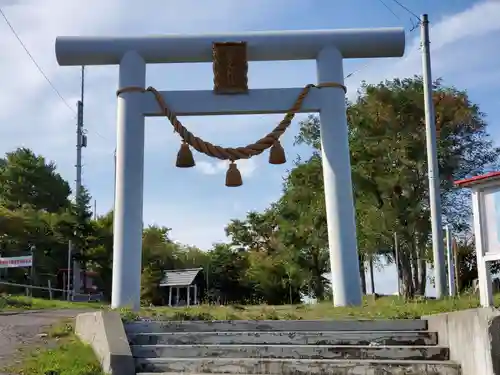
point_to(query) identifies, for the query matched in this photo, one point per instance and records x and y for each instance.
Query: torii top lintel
(262, 46)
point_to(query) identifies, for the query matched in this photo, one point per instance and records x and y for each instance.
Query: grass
(382, 308)
(62, 354)
(17, 303)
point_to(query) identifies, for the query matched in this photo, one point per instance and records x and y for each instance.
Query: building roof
(477, 180)
(183, 277)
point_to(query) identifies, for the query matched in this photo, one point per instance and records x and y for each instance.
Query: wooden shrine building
(184, 287)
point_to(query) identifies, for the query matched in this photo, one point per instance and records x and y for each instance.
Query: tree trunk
(372, 276)
(414, 258)
(422, 274)
(362, 274)
(407, 277)
(317, 286)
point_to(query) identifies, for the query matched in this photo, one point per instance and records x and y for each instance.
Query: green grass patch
(62, 354)
(382, 308)
(16, 303)
(388, 307)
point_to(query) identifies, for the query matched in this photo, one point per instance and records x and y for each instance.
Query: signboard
(15, 262)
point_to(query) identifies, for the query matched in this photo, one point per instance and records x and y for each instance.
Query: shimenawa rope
(229, 153)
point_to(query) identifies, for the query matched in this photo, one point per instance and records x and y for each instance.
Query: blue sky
(195, 203)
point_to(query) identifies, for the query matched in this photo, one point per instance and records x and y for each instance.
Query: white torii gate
(327, 47)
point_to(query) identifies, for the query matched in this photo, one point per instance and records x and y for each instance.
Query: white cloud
(246, 167)
(461, 44)
(32, 115)
(27, 100)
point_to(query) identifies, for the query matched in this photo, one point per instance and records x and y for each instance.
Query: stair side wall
(104, 332)
(473, 338)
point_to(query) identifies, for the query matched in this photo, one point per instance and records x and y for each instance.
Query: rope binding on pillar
(230, 77)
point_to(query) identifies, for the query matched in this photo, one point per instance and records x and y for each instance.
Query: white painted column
(483, 268)
(169, 295)
(339, 201)
(195, 294)
(188, 297)
(127, 241)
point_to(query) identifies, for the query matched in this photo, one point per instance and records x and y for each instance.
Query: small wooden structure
(184, 286)
(486, 215)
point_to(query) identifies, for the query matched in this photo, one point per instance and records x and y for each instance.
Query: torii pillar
(327, 47)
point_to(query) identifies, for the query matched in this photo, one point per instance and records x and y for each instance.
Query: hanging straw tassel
(185, 157)
(233, 176)
(277, 154)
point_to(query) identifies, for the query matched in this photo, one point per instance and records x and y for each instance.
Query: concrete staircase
(395, 347)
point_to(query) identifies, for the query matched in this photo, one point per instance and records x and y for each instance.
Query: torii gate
(327, 47)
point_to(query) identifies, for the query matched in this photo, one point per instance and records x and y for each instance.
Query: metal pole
(396, 260)
(432, 163)
(451, 267)
(32, 275)
(456, 261)
(68, 279)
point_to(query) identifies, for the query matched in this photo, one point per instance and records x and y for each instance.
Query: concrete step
(293, 366)
(415, 353)
(276, 325)
(285, 338)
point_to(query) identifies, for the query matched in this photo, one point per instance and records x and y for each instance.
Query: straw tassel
(277, 154)
(185, 157)
(233, 176)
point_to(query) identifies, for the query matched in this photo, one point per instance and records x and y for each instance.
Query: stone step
(285, 338)
(293, 366)
(415, 353)
(276, 325)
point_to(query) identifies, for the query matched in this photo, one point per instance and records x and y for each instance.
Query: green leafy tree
(28, 179)
(387, 139)
(227, 280)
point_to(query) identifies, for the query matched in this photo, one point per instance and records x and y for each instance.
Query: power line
(58, 93)
(407, 9)
(413, 28)
(389, 9)
(34, 61)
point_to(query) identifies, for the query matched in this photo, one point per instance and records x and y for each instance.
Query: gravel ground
(22, 329)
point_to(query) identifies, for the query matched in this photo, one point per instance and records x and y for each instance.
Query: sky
(194, 202)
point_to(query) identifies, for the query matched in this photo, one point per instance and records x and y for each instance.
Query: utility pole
(432, 165)
(81, 141)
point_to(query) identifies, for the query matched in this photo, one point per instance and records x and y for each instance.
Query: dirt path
(22, 329)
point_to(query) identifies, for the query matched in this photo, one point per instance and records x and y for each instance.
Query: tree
(227, 275)
(257, 232)
(26, 178)
(389, 167)
(302, 223)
